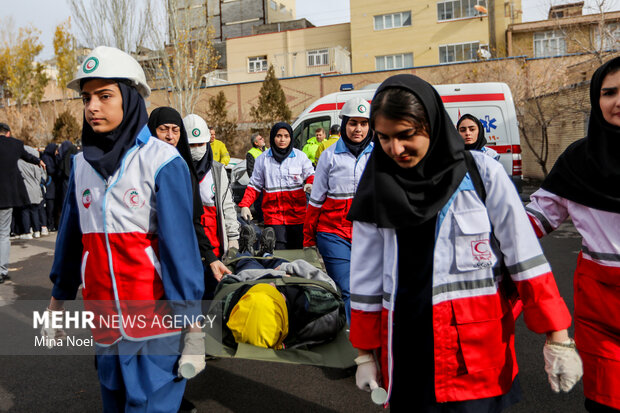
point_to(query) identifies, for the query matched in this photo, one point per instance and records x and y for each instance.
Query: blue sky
(47, 14)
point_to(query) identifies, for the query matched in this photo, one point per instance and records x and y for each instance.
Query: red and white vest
(121, 274)
(284, 199)
(335, 182)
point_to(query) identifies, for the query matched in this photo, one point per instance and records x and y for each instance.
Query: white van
(492, 103)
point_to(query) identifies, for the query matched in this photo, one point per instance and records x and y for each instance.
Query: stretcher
(337, 353)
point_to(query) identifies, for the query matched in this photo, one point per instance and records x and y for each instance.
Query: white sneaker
(25, 236)
(37, 234)
(44, 231)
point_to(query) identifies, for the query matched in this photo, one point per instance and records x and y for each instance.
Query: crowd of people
(416, 222)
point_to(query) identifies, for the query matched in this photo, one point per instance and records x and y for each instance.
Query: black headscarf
(395, 197)
(203, 166)
(354, 147)
(280, 154)
(63, 149)
(164, 115)
(105, 151)
(588, 172)
(481, 141)
(50, 149)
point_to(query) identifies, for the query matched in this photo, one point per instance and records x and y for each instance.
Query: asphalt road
(69, 383)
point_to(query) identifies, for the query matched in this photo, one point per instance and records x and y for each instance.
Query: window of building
(394, 61)
(611, 36)
(257, 64)
(458, 9)
(273, 5)
(461, 52)
(393, 21)
(318, 57)
(550, 43)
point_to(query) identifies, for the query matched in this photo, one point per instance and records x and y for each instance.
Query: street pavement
(69, 383)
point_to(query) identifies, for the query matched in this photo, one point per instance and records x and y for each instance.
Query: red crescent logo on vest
(481, 250)
(133, 199)
(86, 198)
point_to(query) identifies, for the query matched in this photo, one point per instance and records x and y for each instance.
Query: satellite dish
(480, 9)
(484, 54)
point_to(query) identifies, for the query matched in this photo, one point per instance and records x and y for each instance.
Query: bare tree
(187, 57)
(124, 24)
(535, 86)
(594, 36)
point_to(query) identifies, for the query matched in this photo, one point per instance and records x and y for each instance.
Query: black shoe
(187, 407)
(247, 238)
(267, 242)
(4, 277)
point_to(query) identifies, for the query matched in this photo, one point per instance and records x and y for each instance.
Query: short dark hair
(334, 130)
(396, 103)
(319, 130)
(4, 128)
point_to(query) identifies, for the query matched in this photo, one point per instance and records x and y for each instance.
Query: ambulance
(492, 103)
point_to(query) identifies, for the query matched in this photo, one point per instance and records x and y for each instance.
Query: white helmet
(356, 108)
(197, 129)
(111, 63)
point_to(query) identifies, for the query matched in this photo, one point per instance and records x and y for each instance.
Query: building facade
(405, 33)
(567, 30)
(300, 52)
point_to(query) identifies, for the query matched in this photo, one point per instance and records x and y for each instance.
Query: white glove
(233, 243)
(192, 359)
(246, 214)
(49, 334)
(563, 365)
(308, 188)
(367, 375)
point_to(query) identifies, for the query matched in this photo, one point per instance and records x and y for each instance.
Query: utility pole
(491, 17)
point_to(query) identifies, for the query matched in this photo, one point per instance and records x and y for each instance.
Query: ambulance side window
(307, 129)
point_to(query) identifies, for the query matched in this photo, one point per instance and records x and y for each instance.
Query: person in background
(166, 124)
(66, 152)
(219, 218)
(335, 182)
(32, 176)
(334, 135)
(258, 147)
(220, 153)
(12, 190)
(51, 162)
(472, 131)
(584, 186)
(313, 144)
(283, 175)
(432, 226)
(127, 234)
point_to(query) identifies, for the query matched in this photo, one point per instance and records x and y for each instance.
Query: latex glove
(192, 359)
(246, 214)
(308, 188)
(367, 375)
(562, 364)
(52, 334)
(233, 243)
(219, 270)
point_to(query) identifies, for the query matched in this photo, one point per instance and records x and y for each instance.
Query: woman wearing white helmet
(126, 233)
(218, 218)
(337, 174)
